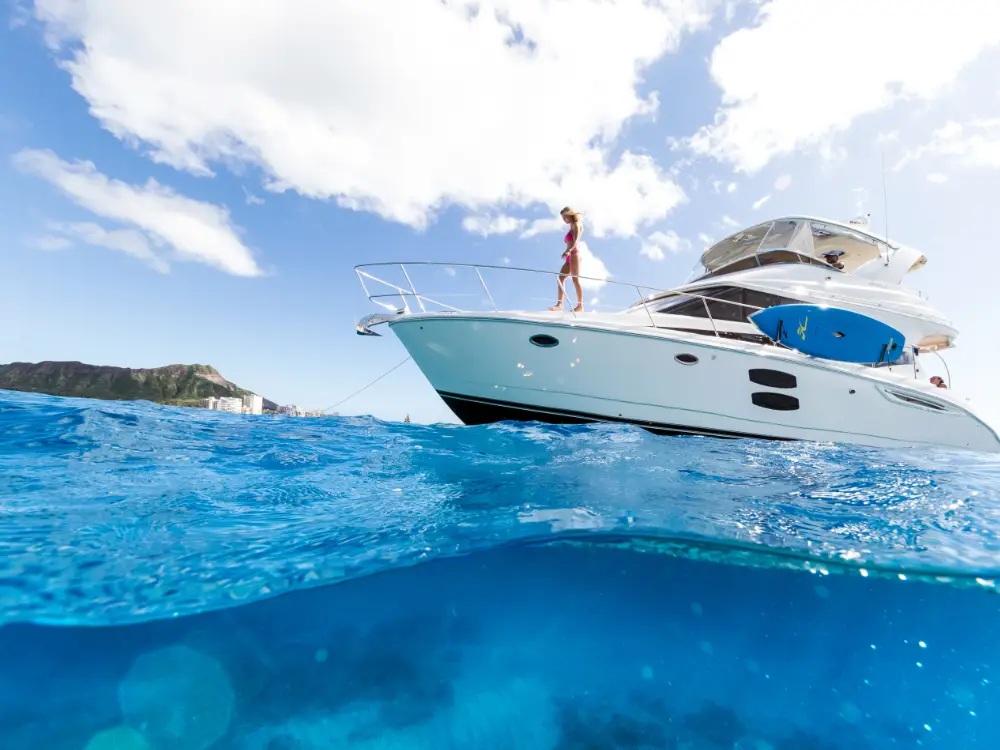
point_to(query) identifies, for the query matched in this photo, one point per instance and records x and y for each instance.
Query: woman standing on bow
(572, 257)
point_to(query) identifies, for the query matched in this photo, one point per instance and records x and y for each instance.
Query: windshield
(802, 240)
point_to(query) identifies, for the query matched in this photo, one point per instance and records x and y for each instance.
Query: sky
(192, 182)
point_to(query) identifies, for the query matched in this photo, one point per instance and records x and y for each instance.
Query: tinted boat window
(721, 305)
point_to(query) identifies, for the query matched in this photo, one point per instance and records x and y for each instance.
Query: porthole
(544, 340)
(686, 359)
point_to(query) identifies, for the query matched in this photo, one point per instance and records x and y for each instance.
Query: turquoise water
(178, 579)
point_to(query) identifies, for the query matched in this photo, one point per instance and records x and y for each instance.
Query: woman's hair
(570, 212)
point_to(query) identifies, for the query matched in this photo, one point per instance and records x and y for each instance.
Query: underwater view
(182, 579)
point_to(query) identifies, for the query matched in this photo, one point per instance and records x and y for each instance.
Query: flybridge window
(722, 304)
(788, 241)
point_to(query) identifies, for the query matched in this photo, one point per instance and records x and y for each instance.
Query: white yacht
(689, 360)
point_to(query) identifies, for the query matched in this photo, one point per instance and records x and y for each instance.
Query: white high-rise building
(289, 409)
(253, 404)
(231, 404)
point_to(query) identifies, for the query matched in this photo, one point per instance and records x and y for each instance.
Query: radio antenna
(885, 208)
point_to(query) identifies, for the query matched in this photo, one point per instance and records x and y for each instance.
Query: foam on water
(512, 586)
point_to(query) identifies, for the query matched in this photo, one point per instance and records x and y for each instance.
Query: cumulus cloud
(783, 182)
(593, 268)
(731, 187)
(974, 144)
(487, 225)
(759, 203)
(729, 221)
(196, 231)
(937, 178)
(768, 107)
(471, 111)
(705, 239)
(658, 244)
(543, 226)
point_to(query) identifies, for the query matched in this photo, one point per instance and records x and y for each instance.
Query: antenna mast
(885, 208)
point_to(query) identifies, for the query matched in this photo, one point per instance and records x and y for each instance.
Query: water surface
(181, 579)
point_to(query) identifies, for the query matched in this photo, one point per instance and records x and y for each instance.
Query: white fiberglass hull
(487, 369)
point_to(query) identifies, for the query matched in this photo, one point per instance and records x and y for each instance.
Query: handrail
(403, 293)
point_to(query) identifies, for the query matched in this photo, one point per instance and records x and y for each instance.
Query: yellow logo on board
(802, 328)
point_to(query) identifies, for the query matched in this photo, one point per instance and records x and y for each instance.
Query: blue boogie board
(831, 333)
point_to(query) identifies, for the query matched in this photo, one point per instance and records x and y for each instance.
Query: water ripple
(115, 512)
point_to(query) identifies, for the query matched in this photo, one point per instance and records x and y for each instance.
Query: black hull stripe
(473, 410)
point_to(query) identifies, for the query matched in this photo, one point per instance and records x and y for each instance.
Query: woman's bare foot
(578, 308)
(556, 308)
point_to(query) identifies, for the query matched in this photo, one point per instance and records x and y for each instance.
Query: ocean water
(177, 579)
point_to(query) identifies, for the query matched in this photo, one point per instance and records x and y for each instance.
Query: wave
(127, 511)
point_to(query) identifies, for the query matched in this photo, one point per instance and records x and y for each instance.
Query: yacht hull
(497, 368)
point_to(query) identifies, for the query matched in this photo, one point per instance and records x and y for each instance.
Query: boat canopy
(799, 240)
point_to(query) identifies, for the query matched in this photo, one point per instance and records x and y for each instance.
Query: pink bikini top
(569, 237)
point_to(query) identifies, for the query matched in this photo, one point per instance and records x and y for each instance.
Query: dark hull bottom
(476, 410)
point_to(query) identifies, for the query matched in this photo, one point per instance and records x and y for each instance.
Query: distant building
(289, 409)
(230, 404)
(225, 403)
(253, 404)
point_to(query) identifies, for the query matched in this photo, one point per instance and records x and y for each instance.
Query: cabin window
(721, 305)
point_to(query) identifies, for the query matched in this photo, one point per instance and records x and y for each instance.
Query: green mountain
(182, 385)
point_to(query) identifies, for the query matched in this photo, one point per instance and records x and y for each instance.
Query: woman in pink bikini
(572, 255)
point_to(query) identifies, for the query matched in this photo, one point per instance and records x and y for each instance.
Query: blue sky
(187, 183)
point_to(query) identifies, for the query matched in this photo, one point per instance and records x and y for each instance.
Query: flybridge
(804, 239)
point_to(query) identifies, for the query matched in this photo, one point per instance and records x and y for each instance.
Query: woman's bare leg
(562, 286)
(574, 264)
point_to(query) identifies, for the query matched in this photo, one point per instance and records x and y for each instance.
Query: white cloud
(653, 252)
(592, 267)
(729, 221)
(543, 226)
(731, 187)
(506, 261)
(706, 239)
(783, 182)
(129, 241)
(769, 105)
(658, 244)
(253, 200)
(195, 230)
(50, 243)
(974, 144)
(449, 271)
(460, 113)
(487, 225)
(759, 203)
(937, 178)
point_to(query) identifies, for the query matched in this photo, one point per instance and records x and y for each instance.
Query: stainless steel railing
(405, 294)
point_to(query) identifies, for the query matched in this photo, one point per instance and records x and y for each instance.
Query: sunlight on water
(184, 580)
